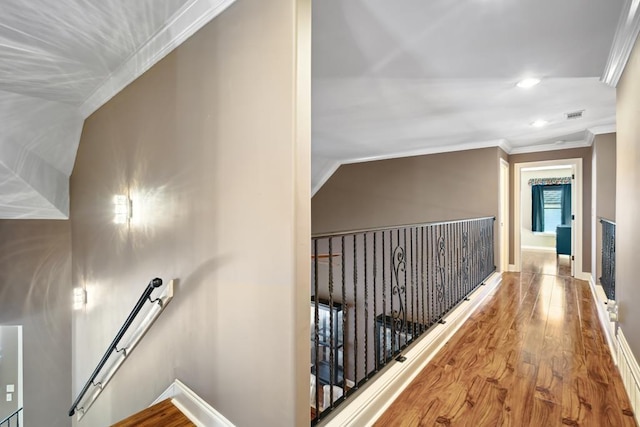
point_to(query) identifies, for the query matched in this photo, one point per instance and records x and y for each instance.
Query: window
(552, 196)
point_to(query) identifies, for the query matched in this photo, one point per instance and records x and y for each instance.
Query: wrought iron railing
(12, 420)
(608, 278)
(374, 292)
(122, 345)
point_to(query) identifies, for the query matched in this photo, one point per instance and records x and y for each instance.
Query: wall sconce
(79, 298)
(122, 209)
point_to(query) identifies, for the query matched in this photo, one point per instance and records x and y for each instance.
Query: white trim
(539, 248)
(502, 143)
(551, 147)
(503, 215)
(609, 327)
(182, 25)
(604, 129)
(371, 403)
(623, 42)
(325, 177)
(581, 275)
(630, 373)
(429, 150)
(576, 207)
(193, 406)
(512, 267)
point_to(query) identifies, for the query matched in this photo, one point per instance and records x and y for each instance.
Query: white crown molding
(325, 177)
(623, 42)
(430, 150)
(502, 143)
(184, 23)
(604, 129)
(551, 147)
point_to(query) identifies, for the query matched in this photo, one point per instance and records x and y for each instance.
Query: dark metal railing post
(155, 283)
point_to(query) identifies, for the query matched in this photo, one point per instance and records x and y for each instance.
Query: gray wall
(35, 287)
(213, 146)
(575, 153)
(446, 186)
(9, 368)
(604, 190)
(628, 200)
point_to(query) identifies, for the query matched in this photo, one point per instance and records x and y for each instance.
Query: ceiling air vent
(575, 115)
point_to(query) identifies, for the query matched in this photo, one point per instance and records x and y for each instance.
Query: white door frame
(503, 219)
(576, 207)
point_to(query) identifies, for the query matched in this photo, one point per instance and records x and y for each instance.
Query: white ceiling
(60, 61)
(389, 78)
(411, 77)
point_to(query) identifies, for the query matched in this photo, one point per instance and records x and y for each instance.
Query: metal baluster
(424, 259)
(317, 324)
(344, 322)
(366, 313)
(391, 322)
(331, 325)
(384, 306)
(355, 315)
(375, 301)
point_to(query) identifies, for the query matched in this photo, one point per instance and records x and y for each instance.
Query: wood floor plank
(533, 354)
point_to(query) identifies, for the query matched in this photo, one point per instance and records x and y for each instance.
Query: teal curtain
(537, 208)
(565, 202)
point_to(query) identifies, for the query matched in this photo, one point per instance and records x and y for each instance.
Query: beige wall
(585, 155)
(35, 287)
(212, 144)
(409, 190)
(457, 185)
(628, 199)
(604, 191)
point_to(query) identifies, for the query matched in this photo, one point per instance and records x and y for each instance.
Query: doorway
(504, 216)
(531, 237)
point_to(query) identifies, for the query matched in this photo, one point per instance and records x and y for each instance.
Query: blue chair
(563, 240)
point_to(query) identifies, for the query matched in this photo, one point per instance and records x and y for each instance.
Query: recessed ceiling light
(539, 123)
(528, 83)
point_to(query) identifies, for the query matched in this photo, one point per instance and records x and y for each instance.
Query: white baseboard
(609, 327)
(539, 248)
(192, 406)
(630, 373)
(587, 277)
(512, 267)
(370, 404)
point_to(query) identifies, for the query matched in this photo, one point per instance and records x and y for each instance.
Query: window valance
(550, 181)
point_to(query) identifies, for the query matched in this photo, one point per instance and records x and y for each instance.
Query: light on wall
(122, 209)
(79, 298)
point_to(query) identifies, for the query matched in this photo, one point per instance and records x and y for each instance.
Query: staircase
(164, 414)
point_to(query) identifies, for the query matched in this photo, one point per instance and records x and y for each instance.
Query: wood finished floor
(162, 414)
(532, 355)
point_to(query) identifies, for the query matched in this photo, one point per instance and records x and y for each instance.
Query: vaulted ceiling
(389, 78)
(60, 61)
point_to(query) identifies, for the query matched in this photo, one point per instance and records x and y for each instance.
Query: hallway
(532, 355)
